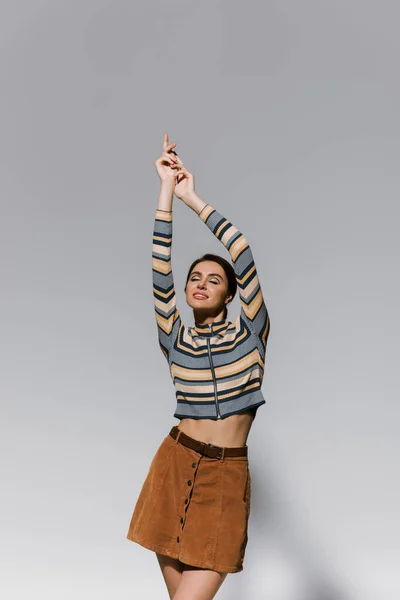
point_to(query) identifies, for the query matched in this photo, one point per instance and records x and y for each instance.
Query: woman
(194, 505)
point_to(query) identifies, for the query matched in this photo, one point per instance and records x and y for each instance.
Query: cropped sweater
(217, 368)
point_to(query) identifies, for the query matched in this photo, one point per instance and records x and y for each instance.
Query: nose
(201, 285)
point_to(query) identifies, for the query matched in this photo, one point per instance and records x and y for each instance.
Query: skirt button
(181, 519)
(189, 482)
(194, 465)
(177, 539)
(186, 500)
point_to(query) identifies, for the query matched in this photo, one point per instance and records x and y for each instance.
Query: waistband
(204, 448)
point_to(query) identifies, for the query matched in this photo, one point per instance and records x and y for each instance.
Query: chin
(199, 305)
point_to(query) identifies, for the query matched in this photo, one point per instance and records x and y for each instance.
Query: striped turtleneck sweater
(217, 369)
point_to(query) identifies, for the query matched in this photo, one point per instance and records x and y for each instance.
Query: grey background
(287, 114)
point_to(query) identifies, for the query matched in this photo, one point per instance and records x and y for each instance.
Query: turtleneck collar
(211, 329)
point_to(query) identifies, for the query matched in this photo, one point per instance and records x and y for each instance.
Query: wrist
(193, 200)
(166, 196)
(190, 196)
(167, 187)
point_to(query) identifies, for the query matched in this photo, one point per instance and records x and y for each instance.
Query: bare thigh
(171, 569)
(198, 584)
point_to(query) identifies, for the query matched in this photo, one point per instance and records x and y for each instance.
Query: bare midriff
(230, 432)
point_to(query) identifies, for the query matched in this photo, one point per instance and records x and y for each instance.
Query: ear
(228, 299)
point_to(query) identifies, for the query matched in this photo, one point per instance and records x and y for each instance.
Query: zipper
(213, 374)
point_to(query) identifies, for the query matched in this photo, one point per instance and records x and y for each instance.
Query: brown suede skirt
(195, 507)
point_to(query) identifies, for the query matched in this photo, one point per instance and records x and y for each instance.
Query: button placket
(189, 483)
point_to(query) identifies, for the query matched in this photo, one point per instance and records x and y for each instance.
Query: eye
(194, 277)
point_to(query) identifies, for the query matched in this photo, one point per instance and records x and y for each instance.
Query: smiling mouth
(200, 296)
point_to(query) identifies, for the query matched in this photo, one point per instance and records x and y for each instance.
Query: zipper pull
(210, 326)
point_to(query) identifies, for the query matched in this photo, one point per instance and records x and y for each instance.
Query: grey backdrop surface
(287, 114)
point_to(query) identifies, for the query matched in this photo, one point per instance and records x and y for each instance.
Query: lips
(200, 296)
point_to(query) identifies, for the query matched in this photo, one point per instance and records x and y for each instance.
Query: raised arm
(253, 308)
(163, 283)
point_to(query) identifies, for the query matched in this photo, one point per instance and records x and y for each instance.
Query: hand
(185, 182)
(166, 164)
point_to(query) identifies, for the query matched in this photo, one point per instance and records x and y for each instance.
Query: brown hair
(227, 267)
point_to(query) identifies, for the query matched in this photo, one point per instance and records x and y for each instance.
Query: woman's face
(207, 287)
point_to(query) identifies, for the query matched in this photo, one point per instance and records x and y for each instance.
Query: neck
(210, 321)
(201, 319)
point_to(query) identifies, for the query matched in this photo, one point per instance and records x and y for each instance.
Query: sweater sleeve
(253, 309)
(163, 283)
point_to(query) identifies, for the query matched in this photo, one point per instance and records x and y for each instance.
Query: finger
(178, 161)
(169, 163)
(166, 146)
(171, 159)
(165, 142)
(164, 160)
(168, 157)
(178, 164)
